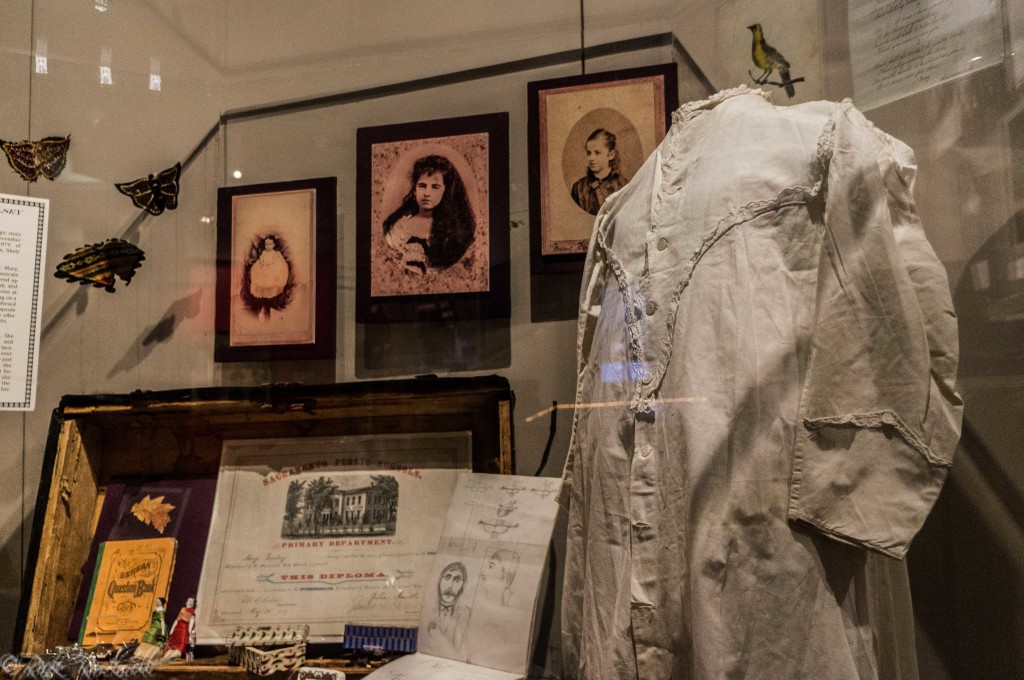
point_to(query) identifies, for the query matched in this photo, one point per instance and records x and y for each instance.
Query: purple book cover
(166, 508)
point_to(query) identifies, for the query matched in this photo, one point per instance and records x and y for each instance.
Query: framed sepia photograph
(276, 271)
(432, 220)
(588, 136)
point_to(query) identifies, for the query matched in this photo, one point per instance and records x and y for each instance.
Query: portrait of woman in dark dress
(434, 226)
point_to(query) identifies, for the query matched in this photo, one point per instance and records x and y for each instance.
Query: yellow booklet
(129, 577)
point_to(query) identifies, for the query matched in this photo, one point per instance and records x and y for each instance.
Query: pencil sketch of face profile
(451, 616)
(498, 573)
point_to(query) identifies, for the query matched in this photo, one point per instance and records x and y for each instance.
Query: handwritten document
(23, 224)
(899, 47)
(326, 531)
(478, 608)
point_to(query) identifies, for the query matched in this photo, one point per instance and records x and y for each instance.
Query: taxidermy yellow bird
(769, 59)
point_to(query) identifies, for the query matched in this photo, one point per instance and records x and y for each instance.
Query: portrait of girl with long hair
(425, 219)
(434, 226)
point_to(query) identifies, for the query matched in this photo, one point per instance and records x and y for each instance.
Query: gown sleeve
(879, 414)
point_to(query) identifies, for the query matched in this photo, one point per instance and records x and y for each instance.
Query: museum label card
(23, 222)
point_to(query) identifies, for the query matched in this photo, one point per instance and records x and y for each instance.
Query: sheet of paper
(899, 47)
(426, 667)
(482, 591)
(326, 531)
(23, 222)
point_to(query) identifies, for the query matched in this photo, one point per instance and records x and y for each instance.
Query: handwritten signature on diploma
(268, 559)
(398, 599)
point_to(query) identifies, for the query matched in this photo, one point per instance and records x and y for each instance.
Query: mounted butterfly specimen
(101, 264)
(154, 193)
(47, 157)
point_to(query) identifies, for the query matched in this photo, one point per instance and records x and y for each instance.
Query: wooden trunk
(95, 438)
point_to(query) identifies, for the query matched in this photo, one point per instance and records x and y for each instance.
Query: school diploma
(326, 531)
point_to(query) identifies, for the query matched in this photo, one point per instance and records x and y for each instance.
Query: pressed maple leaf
(154, 512)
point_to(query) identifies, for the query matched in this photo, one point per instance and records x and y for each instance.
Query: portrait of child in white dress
(267, 276)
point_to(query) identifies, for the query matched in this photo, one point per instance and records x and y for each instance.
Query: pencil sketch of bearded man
(450, 617)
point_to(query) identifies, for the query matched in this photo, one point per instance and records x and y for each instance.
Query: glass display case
(247, 281)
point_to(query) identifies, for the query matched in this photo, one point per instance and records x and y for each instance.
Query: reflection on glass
(106, 74)
(40, 56)
(154, 74)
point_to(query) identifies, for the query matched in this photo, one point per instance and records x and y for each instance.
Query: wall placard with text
(23, 222)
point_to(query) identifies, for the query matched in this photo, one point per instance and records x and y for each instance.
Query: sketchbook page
(425, 667)
(480, 598)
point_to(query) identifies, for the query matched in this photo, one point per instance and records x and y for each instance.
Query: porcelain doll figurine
(182, 639)
(153, 639)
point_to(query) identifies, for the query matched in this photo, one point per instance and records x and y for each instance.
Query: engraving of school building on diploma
(323, 507)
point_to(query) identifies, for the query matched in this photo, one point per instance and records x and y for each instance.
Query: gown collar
(691, 109)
